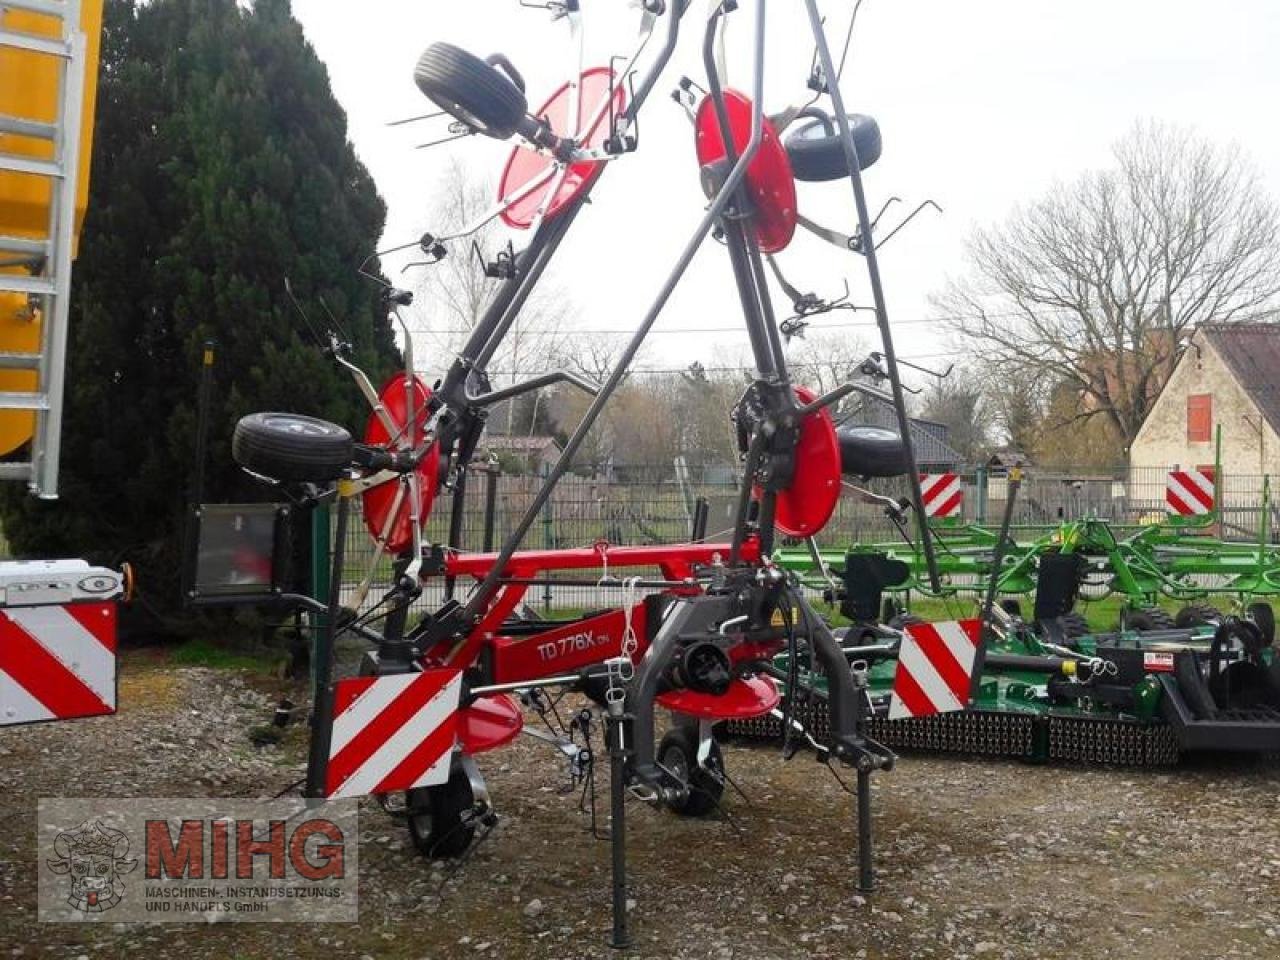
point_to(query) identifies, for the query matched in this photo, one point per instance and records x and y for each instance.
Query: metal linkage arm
(536, 383)
(628, 117)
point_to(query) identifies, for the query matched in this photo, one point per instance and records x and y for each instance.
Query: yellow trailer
(48, 86)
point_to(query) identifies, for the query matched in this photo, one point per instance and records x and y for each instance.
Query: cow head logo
(94, 857)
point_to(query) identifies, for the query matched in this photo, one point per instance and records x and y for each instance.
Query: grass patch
(202, 652)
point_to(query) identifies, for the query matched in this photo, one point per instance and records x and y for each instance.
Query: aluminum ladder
(47, 281)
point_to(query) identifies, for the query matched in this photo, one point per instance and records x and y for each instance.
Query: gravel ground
(976, 858)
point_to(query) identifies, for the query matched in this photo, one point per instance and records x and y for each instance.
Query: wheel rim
(816, 130)
(300, 427)
(466, 116)
(678, 765)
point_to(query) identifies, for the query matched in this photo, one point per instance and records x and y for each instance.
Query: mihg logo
(94, 857)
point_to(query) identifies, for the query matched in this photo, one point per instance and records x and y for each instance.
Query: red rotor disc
(745, 698)
(769, 180)
(524, 165)
(489, 723)
(805, 507)
(378, 501)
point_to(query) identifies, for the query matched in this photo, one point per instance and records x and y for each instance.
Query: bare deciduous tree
(960, 403)
(1017, 405)
(1098, 284)
(824, 360)
(455, 292)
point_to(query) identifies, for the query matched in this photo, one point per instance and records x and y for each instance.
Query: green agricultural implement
(1175, 558)
(1050, 688)
(1134, 698)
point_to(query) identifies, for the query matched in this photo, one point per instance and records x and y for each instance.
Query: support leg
(866, 870)
(617, 722)
(322, 665)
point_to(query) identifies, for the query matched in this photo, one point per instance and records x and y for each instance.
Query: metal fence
(583, 511)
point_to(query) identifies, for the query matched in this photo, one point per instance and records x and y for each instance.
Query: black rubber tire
(435, 817)
(867, 451)
(1197, 615)
(289, 446)
(470, 90)
(1261, 613)
(817, 156)
(1146, 618)
(678, 752)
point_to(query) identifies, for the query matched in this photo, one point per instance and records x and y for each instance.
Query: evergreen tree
(221, 166)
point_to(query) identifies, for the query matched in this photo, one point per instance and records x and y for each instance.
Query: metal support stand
(322, 662)
(866, 861)
(616, 723)
(866, 867)
(195, 497)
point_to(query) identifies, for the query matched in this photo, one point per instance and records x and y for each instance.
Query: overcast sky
(981, 105)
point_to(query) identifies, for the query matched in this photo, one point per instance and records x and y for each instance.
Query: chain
(622, 667)
(1102, 668)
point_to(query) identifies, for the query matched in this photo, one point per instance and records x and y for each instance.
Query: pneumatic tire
(439, 817)
(1197, 615)
(817, 154)
(1074, 625)
(1261, 613)
(678, 753)
(289, 446)
(470, 90)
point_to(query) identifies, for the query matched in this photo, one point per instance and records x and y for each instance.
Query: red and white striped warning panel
(942, 494)
(935, 668)
(1189, 493)
(392, 733)
(57, 662)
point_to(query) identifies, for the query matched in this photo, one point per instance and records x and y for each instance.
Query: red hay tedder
(696, 634)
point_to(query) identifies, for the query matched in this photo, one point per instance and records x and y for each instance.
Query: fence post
(548, 538)
(980, 483)
(321, 546)
(491, 475)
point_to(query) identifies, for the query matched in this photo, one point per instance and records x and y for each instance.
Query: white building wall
(1249, 446)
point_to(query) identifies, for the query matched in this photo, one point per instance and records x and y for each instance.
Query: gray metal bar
(19, 361)
(24, 245)
(535, 383)
(22, 127)
(17, 400)
(50, 8)
(15, 471)
(733, 225)
(48, 438)
(34, 44)
(21, 283)
(645, 87)
(877, 290)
